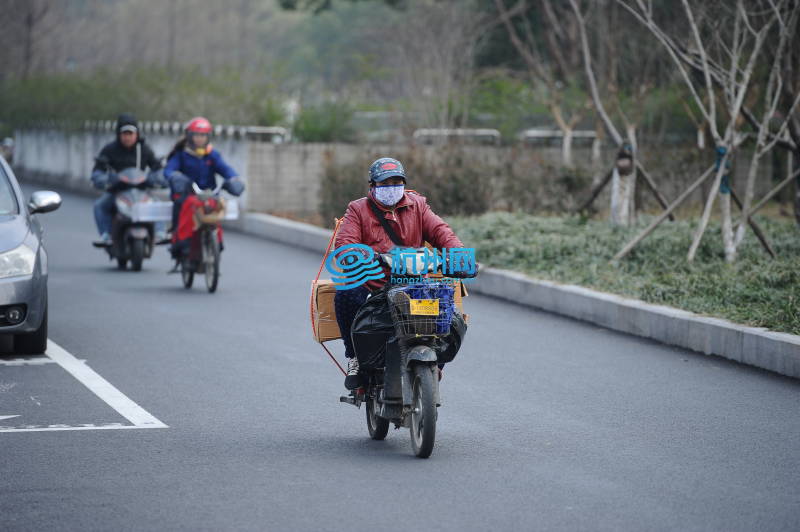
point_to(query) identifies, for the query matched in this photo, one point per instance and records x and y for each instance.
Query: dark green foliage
(328, 122)
(452, 181)
(341, 185)
(464, 180)
(756, 290)
(150, 93)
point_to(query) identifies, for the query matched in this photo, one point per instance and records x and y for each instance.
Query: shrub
(756, 290)
(329, 122)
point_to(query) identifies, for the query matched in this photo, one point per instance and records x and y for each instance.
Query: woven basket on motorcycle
(424, 309)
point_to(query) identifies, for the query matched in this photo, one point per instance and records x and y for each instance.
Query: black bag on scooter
(447, 347)
(373, 328)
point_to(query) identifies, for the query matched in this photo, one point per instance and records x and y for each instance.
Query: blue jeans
(104, 212)
(346, 303)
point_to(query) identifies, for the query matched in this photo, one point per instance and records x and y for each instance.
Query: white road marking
(7, 417)
(53, 428)
(33, 361)
(139, 417)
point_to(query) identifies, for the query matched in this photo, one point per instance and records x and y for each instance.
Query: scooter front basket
(424, 309)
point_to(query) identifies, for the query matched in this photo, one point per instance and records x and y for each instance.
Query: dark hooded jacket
(114, 156)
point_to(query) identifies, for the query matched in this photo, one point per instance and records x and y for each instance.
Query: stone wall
(285, 178)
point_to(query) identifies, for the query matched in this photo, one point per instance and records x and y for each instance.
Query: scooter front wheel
(211, 259)
(377, 426)
(187, 274)
(423, 411)
(137, 254)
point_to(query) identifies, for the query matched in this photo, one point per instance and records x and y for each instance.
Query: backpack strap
(386, 227)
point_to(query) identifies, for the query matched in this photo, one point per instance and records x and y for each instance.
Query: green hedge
(151, 93)
(460, 180)
(756, 290)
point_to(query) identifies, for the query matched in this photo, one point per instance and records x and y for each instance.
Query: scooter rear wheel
(378, 427)
(423, 413)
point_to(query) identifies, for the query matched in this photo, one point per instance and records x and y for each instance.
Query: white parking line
(29, 361)
(139, 417)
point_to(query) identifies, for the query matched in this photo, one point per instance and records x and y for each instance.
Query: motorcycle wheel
(137, 254)
(423, 413)
(187, 274)
(122, 264)
(377, 426)
(211, 259)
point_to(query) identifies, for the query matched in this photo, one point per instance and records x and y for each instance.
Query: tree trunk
(752, 173)
(566, 147)
(597, 154)
(623, 185)
(707, 209)
(727, 226)
(28, 58)
(622, 195)
(794, 167)
(701, 138)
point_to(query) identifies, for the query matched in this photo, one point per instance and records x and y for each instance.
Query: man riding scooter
(129, 150)
(411, 219)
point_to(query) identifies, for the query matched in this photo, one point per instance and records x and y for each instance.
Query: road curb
(773, 351)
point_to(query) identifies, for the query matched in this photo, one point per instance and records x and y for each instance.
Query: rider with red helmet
(194, 160)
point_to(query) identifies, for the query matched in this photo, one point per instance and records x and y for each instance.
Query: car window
(8, 199)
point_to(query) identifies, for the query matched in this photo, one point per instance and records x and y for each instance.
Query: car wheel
(33, 343)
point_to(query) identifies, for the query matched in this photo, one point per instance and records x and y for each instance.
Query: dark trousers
(346, 303)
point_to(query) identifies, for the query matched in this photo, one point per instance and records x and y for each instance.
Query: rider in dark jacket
(128, 150)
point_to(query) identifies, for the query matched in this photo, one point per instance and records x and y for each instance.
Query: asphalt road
(547, 423)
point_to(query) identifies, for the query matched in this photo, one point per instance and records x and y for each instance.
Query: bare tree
(726, 56)
(544, 52)
(433, 51)
(623, 175)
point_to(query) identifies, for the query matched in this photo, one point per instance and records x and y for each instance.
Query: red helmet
(199, 124)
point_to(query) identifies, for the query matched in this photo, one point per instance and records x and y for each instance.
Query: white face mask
(390, 194)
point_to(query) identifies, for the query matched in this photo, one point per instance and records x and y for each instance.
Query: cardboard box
(323, 313)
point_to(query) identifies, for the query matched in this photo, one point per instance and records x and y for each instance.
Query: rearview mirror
(44, 201)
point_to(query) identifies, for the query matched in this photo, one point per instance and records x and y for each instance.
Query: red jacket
(411, 218)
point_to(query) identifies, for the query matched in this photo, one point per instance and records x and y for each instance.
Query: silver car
(23, 264)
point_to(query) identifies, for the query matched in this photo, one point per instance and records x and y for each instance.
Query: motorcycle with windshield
(421, 329)
(132, 228)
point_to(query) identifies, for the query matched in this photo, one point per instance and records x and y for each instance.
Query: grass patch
(756, 290)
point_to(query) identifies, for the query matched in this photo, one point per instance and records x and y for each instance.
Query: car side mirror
(44, 201)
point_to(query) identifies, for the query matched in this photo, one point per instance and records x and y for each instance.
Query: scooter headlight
(125, 208)
(17, 262)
